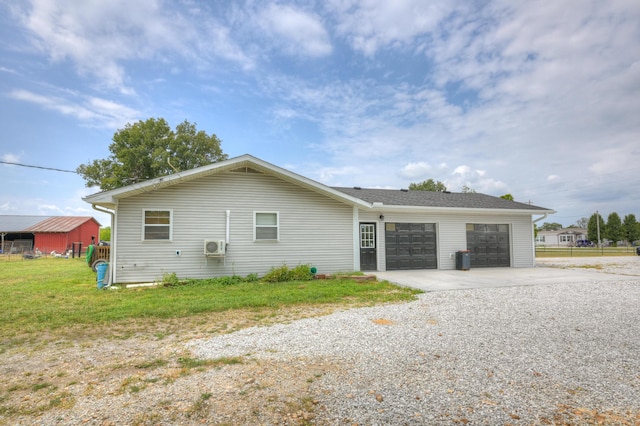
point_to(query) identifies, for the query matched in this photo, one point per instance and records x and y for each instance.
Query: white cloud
(10, 157)
(372, 25)
(91, 110)
(415, 170)
(100, 37)
(297, 31)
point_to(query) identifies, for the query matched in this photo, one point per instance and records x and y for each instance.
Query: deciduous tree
(428, 185)
(614, 231)
(150, 149)
(631, 228)
(553, 226)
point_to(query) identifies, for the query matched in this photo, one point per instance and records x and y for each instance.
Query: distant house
(565, 237)
(245, 215)
(46, 233)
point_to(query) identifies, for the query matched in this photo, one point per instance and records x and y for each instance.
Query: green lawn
(46, 295)
(584, 251)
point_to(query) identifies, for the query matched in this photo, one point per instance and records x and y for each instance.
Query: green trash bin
(463, 260)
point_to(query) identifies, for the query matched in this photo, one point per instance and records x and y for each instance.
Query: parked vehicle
(584, 243)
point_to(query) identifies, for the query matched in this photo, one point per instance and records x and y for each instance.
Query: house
(565, 237)
(46, 233)
(245, 215)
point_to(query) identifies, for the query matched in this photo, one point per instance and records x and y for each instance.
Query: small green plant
(170, 279)
(231, 280)
(156, 363)
(39, 386)
(252, 278)
(284, 273)
(188, 363)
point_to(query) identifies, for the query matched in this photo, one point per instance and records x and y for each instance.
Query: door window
(367, 235)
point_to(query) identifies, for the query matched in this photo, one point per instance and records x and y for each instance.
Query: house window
(266, 226)
(157, 225)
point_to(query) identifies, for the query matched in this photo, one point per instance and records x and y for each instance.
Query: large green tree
(150, 149)
(428, 185)
(631, 228)
(592, 227)
(553, 226)
(614, 232)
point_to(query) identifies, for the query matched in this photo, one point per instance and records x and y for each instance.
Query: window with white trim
(367, 235)
(266, 226)
(157, 225)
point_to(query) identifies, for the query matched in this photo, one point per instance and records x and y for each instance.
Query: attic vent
(404, 190)
(446, 192)
(244, 170)
(357, 187)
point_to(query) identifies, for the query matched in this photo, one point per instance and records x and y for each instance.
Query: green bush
(170, 279)
(284, 274)
(230, 280)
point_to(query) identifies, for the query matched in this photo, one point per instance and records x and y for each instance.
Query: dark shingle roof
(398, 197)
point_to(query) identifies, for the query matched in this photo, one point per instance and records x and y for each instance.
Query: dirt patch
(140, 373)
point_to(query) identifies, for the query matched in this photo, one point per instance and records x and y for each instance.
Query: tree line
(615, 230)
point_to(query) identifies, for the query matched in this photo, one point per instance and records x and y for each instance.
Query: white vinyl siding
(452, 234)
(266, 226)
(313, 229)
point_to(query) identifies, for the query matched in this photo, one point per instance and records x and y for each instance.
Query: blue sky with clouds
(534, 98)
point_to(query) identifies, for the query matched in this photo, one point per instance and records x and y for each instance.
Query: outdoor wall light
(382, 217)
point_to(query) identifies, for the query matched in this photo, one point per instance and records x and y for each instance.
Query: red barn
(60, 232)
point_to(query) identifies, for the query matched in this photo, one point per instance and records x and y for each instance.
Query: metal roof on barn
(18, 223)
(60, 224)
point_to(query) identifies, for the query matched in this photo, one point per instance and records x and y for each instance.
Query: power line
(37, 167)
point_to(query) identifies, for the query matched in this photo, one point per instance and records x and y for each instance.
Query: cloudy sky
(534, 98)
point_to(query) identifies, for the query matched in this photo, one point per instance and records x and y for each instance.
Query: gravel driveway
(558, 353)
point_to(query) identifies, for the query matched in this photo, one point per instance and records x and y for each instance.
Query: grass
(584, 251)
(45, 295)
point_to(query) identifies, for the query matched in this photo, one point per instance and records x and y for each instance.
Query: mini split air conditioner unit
(214, 247)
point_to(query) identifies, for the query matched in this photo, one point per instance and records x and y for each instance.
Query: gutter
(544, 216)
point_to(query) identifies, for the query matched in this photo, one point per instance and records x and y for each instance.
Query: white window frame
(255, 226)
(144, 224)
(367, 235)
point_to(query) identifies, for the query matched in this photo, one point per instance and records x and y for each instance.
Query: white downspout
(227, 235)
(227, 228)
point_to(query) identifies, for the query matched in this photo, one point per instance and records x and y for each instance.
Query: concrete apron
(439, 280)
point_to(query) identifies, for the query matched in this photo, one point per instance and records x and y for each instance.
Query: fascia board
(456, 210)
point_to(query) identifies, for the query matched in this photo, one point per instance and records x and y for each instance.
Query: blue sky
(534, 98)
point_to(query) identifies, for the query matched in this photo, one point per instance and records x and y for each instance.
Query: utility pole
(598, 226)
